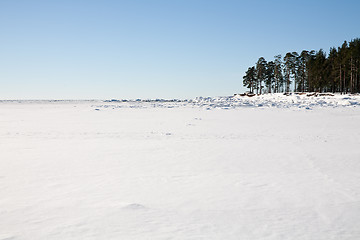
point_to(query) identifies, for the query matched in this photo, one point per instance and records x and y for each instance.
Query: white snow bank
(280, 101)
(263, 101)
(277, 100)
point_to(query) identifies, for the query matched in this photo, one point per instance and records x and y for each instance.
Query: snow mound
(134, 206)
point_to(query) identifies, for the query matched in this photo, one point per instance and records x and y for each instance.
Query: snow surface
(265, 167)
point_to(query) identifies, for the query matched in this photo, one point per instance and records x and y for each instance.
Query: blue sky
(155, 49)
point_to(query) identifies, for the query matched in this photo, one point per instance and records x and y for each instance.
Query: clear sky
(87, 49)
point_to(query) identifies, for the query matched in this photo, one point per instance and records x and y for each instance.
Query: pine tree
(250, 79)
(288, 69)
(303, 61)
(333, 80)
(278, 74)
(270, 76)
(260, 74)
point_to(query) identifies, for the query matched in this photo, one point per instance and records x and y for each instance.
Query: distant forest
(309, 71)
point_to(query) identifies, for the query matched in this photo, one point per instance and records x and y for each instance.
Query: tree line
(309, 71)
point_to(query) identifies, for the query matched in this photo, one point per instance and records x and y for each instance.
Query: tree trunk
(345, 87)
(351, 76)
(340, 81)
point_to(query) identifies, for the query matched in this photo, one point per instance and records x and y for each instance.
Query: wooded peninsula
(309, 71)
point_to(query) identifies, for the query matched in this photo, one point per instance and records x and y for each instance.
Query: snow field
(180, 170)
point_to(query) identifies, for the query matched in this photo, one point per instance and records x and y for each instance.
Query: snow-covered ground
(265, 167)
